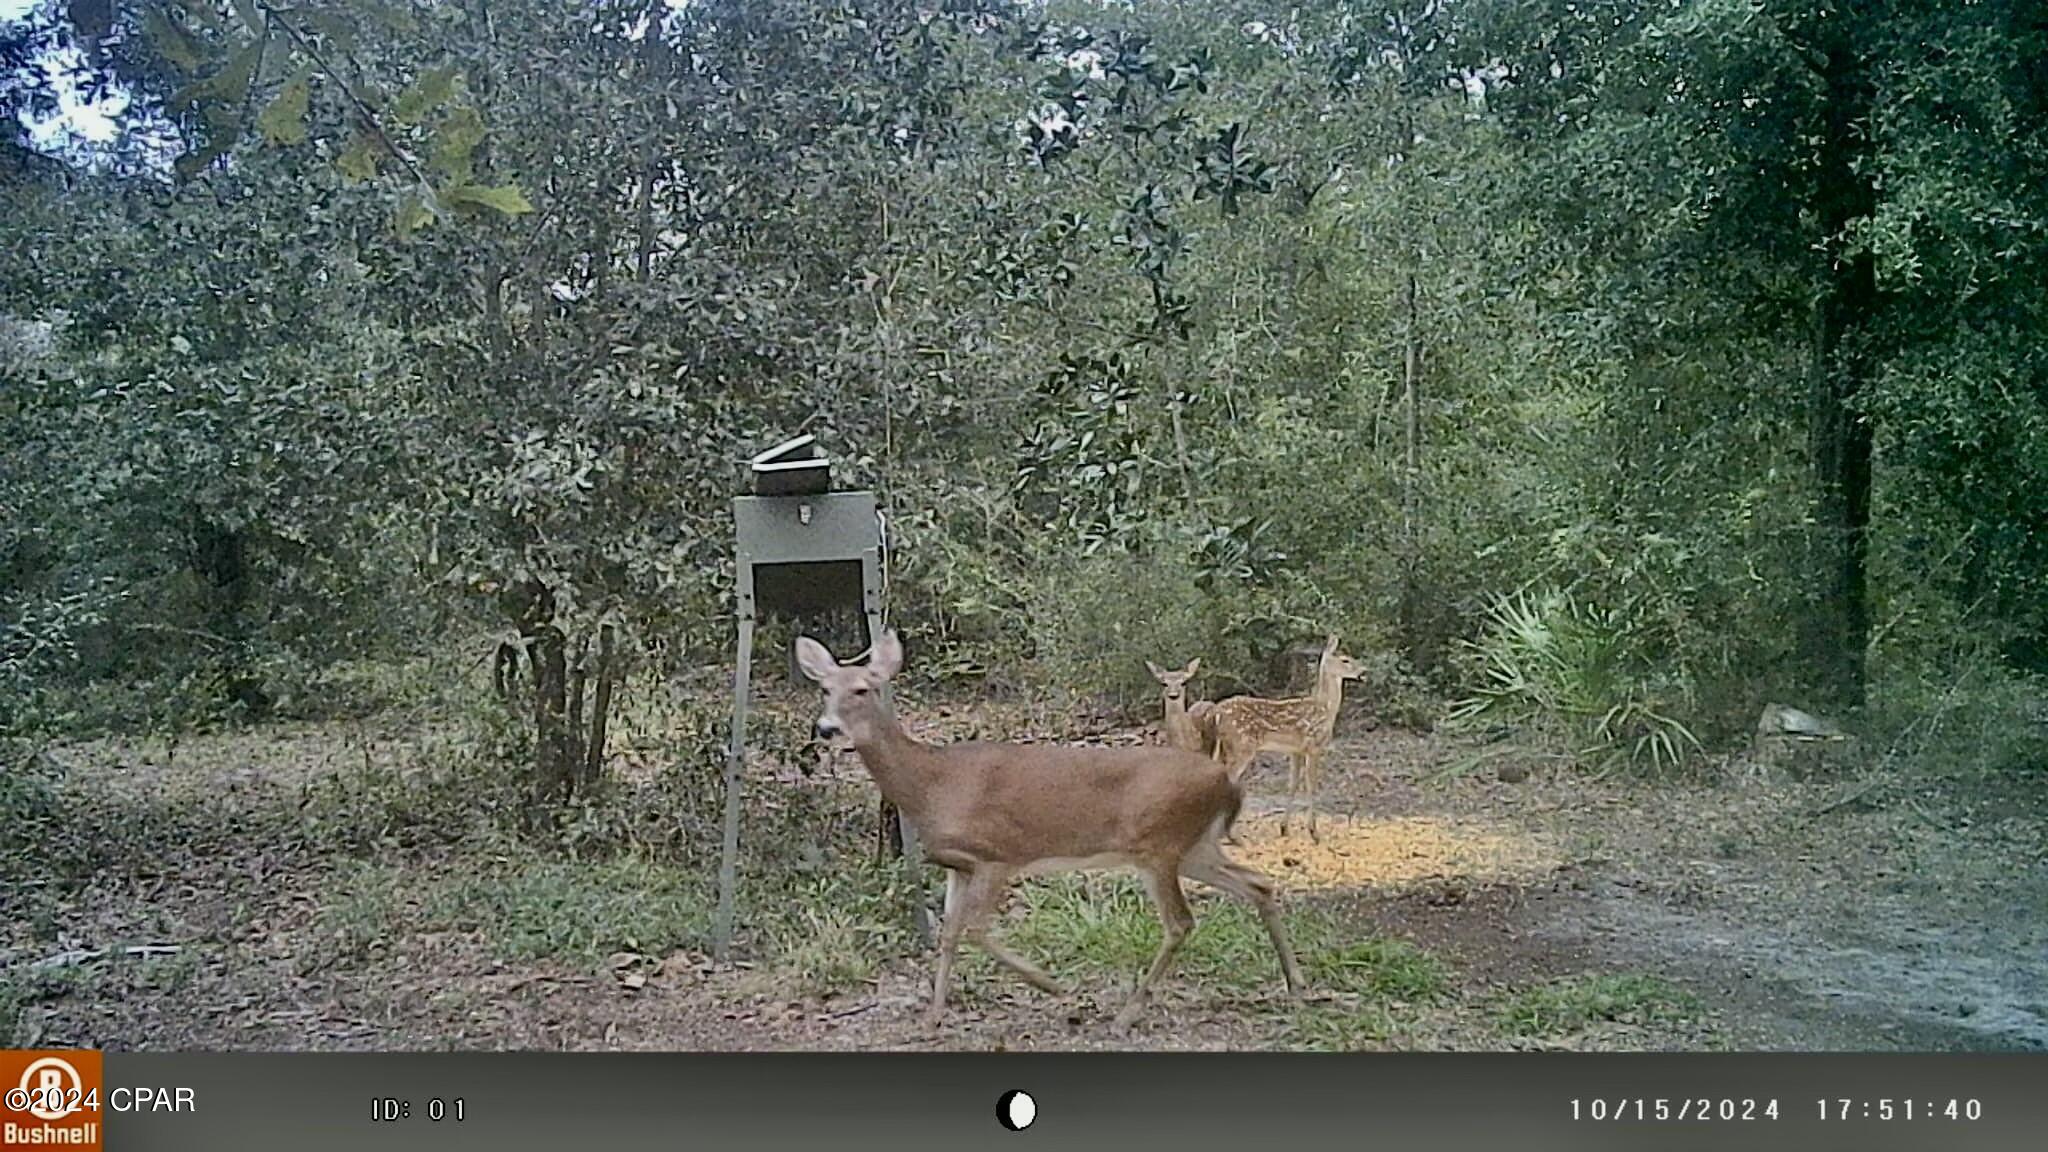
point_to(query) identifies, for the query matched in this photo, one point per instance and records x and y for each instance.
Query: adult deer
(1302, 727)
(1185, 727)
(1192, 727)
(991, 813)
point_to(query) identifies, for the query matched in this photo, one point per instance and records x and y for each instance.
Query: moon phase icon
(1016, 1110)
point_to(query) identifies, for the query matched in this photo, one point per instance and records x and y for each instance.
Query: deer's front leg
(1175, 921)
(949, 942)
(1311, 772)
(970, 899)
(1293, 791)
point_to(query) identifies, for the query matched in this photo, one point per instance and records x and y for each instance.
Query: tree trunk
(1411, 475)
(553, 780)
(221, 556)
(888, 833)
(600, 706)
(547, 650)
(650, 48)
(573, 730)
(1842, 441)
(601, 258)
(1180, 451)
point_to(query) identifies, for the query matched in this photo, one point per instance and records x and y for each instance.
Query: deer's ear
(1194, 665)
(1330, 645)
(816, 662)
(887, 659)
(1158, 673)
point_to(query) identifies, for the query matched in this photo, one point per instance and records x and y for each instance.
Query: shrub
(1574, 675)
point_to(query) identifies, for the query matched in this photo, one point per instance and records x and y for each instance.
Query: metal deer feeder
(803, 550)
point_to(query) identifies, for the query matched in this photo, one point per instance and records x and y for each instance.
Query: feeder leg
(913, 863)
(729, 854)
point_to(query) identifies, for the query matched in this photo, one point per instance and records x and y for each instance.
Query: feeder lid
(791, 468)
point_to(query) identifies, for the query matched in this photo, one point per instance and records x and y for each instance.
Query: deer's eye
(860, 691)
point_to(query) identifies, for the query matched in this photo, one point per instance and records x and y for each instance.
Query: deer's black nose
(824, 731)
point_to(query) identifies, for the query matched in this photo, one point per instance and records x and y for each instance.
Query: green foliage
(426, 95)
(31, 810)
(284, 119)
(22, 989)
(458, 790)
(1569, 1005)
(506, 198)
(580, 912)
(1107, 616)
(1340, 1029)
(1552, 663)
(1966, 717)
(830, 931)
(1108, 926)
(1163, 332)
(1387, 970)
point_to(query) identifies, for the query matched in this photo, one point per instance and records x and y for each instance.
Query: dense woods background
(1611, 368)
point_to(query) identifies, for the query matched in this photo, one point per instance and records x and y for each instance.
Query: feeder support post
(735, 761)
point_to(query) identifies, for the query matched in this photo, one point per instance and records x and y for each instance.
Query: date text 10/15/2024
(1700, 1108)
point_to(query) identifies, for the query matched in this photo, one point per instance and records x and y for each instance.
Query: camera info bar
(513, 1102)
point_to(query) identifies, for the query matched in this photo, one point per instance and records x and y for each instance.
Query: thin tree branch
(363, 110)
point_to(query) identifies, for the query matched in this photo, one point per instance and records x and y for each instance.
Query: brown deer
(1188, 726)
(1302, 726)
(1185, 727)
(990, 813)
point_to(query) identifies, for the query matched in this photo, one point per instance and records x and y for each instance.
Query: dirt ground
(1788, 916)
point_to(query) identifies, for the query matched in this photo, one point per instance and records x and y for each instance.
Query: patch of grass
(1383, 969)
(353, 689)
(32, 814)
(1568, 1005)
(830, 930)
(1966, 718)
(458, 792)
(1337, 1029)
(364, 907)
(829, 956)
(167, 973)
(24, 987)
(1107, 925)
(579, 911)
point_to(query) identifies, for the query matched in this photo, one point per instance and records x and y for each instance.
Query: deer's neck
(1177, 716)
(1330, 694)
(902, 766)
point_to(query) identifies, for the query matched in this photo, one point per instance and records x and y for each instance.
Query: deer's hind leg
(977, 931)
(1295, 769)
(1236, 760)
(1206, 864)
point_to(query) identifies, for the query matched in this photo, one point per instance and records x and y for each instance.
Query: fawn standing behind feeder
(802, 551)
